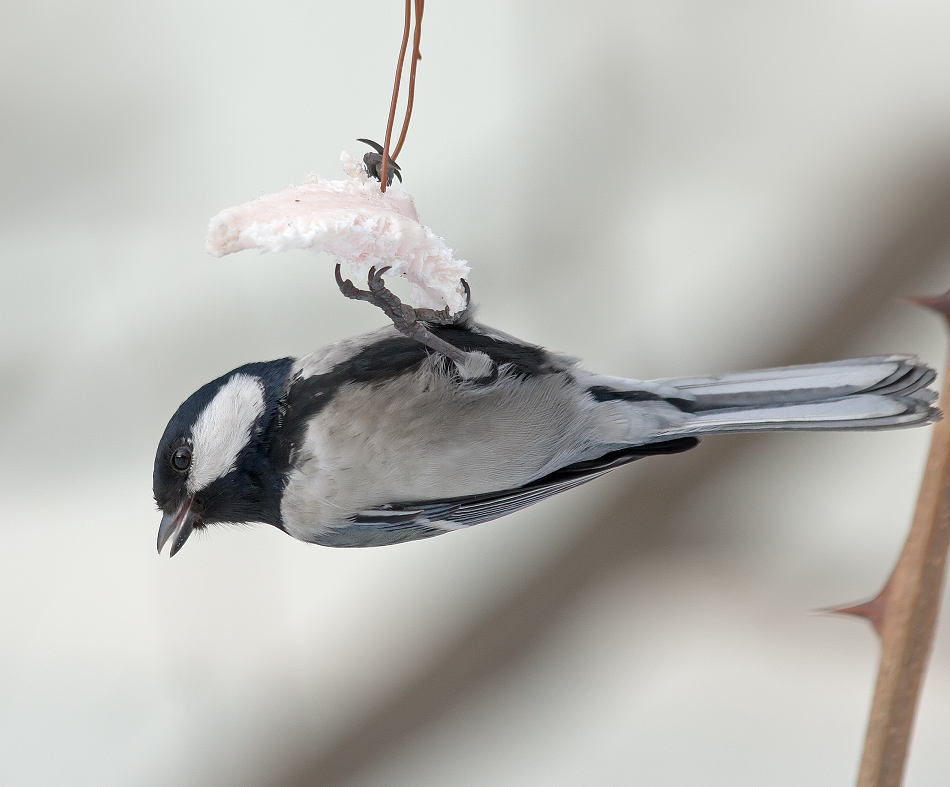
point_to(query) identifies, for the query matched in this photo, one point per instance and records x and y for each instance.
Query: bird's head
(212, 462)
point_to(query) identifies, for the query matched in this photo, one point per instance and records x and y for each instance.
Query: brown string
(416, 57)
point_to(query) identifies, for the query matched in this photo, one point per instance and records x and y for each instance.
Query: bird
(381, 439)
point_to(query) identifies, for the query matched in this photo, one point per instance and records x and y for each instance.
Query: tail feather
(911, 381)
(884, 392)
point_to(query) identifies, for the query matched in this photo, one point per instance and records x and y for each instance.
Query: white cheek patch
(223, 429)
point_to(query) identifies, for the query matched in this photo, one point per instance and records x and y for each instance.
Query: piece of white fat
(353, 221)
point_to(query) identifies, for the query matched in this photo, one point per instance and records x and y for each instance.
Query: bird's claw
(402, 314)
(406, 319)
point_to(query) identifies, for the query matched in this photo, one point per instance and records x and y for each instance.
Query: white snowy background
(660, 188)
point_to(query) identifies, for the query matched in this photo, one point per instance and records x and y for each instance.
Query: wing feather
(459, 512)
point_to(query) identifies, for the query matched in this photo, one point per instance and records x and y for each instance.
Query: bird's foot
(411, 321)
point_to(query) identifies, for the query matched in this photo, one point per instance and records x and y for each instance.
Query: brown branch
(905, 612)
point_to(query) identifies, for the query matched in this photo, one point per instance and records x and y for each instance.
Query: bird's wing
(407, 521)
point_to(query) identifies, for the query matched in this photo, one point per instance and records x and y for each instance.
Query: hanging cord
(416, 57)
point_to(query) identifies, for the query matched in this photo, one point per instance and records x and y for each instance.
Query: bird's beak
(177, 526)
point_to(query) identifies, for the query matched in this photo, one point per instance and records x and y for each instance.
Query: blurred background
(658, 188)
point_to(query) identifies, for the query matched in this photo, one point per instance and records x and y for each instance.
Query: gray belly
(424, 437)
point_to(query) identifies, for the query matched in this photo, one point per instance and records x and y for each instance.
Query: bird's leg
(406, 319)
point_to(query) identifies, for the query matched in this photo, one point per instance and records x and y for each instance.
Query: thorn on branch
(872, 610)
(939, 303)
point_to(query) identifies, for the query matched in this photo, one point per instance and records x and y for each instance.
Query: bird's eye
(181, 459)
